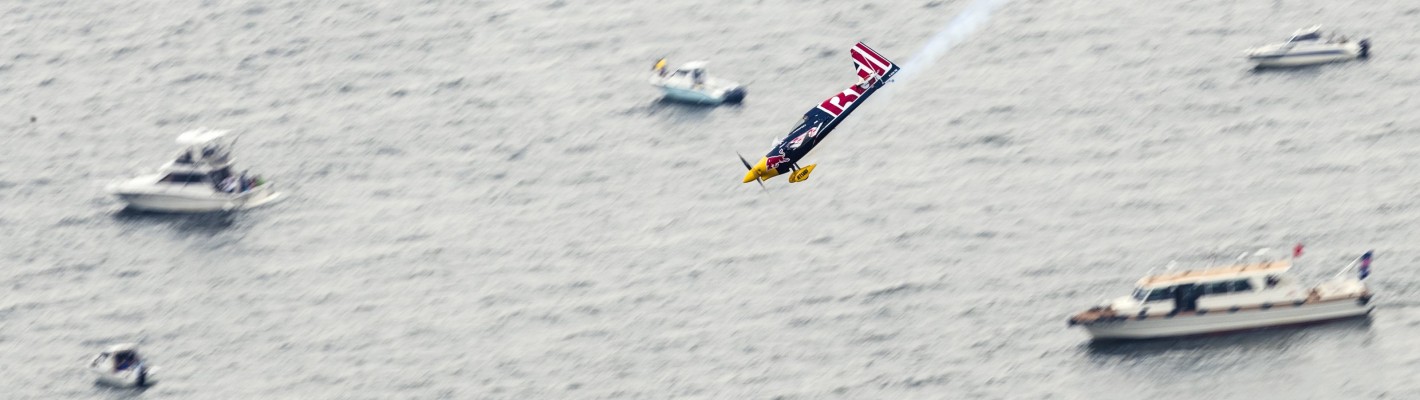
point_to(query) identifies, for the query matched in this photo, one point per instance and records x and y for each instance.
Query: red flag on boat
(1297, 251)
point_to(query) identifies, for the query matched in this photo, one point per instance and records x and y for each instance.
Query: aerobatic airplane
(874, 71)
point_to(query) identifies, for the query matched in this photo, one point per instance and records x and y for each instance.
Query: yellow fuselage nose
(760, 172)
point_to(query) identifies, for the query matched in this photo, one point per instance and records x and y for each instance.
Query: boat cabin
(693, 71)
(118, 358)
(1184, 289)
(204, 160)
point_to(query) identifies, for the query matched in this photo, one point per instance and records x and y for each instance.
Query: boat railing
(1348, 267)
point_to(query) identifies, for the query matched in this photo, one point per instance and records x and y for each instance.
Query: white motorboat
(200, 179)
(1308, 47)
(121, 366)
(689, 83)
(1224, 299)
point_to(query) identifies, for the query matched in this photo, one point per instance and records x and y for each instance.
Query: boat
(122, 366)
(200, 179)
(1308, 47)
(1224, 299)
(689, 83)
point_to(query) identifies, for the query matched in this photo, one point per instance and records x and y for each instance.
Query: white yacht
(689, 83)
(1223, 299)
(121, 366)
(1308, 47)
(200, 179)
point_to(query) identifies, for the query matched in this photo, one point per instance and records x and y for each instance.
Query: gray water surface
(486, 200)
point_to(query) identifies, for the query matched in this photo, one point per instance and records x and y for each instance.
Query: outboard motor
(737, 95)
(1365, 48)
(142, 379)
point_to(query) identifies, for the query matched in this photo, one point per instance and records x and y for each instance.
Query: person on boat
(660, 67)
(244, 182)
(229, 184)
(699, 77)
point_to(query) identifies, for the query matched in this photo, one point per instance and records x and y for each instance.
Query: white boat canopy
(1301, 35)
(119, 348)
(200, 136)
(693, 65)
(1215, 274)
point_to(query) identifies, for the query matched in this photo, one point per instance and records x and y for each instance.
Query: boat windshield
(1306, 36)
(696, 75)
(184, 177)
(1154, 295)
(124, 359)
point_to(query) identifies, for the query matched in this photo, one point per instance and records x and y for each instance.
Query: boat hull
(1281, 57)
(1187, 324)
(1300, 61)
(179, 202)
(690, 96)
(731, 95)
(131, 378)
(711, 92)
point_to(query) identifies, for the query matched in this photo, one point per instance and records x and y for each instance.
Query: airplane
(874, 71)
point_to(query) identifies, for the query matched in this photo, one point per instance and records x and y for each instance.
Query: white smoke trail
(972, 18)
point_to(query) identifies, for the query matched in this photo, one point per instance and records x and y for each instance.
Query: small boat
(1308, 47)
(121, 366)
(199, 179)
(690, 84)
(1224, 299)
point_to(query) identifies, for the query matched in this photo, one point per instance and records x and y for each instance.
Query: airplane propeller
(748, 167)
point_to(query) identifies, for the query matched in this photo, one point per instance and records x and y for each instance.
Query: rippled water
(486, 200)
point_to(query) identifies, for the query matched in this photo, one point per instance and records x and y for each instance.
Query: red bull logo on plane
(836, 104)
(774, 161)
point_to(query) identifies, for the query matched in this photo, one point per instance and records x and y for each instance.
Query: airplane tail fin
(874, 71)
(870, 64)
